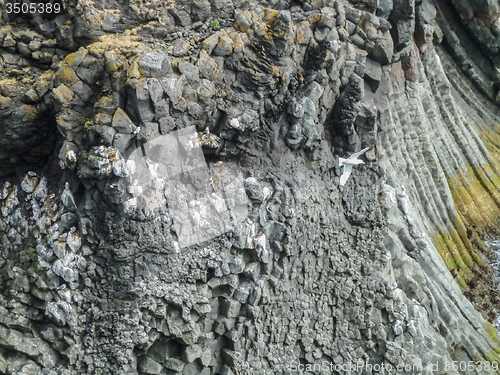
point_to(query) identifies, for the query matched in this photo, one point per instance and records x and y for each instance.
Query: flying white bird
(348, 163)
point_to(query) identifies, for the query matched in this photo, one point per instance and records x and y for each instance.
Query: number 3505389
(33, 7)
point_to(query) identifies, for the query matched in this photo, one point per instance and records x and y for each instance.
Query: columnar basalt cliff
(388, 269)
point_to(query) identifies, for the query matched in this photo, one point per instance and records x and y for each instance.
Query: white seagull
(67, 196)
(348, 163)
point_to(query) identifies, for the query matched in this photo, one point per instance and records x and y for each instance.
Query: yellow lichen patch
(63, 95)
(27, 81)
(451, 254)
(238, 44)
(464, 253)
(243, 21)
(5, 29)
(210, 43)
(66, 75)
(8, 81)
(442, 249)
(89, 125)
(133, 71)
(74, 59)
(457, 252)
(277, 72)
(490, 180)
(126, 43)
(303, 33)
(270, 14)
(475, 199)
(104, 102)
(5, 102)
(491, 138)
(30, 112)
(274, 27)
(279, 28)
(176, 64)
(103, 119)
(190, 95)
(458, 224)
(133, 31)
(225, 43)
(114, 61)
(493, 335)
(43, 81)
(313, 18)
(7, 86)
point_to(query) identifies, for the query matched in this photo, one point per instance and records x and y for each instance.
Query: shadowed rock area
(389, 269)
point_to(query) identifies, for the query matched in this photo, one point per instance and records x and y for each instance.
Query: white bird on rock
(348, 163)
(67, 196)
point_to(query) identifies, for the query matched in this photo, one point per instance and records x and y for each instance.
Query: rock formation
(389, 269)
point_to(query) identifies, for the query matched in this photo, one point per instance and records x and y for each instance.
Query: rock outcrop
(388, 270)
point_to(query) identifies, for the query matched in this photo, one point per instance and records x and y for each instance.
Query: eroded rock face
(309, 272)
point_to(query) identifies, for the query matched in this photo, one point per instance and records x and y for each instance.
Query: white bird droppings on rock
(29, 182)
(120, 168)
(74, 241)
(234, 123)
(131, 166)
(130, 206)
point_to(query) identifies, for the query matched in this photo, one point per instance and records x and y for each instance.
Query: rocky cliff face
(310, 272)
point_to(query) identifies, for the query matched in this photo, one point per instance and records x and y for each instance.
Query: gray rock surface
(389, 269)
